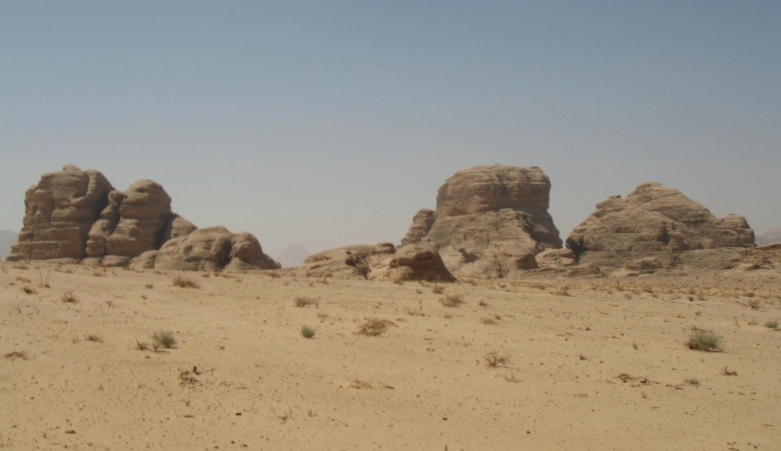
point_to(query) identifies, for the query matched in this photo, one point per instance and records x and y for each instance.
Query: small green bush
(307, 332)
(705, 340)
(164, 339)
(772, 324)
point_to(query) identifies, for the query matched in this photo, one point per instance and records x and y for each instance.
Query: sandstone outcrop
(78, 215)
(59, 213)
(490, 221)
(213, 249)
(380, 262)
(657, 220)
(349, 262)
(412, 262)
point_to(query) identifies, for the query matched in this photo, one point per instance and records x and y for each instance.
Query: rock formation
(212, 249)
(490, 221)
(59, 213)
(77, 215)
(419, 261)
(380, 262)
(657, 220)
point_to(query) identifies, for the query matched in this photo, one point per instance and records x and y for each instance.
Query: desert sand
(590, 364)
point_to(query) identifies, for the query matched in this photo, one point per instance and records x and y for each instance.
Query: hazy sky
(329, 123)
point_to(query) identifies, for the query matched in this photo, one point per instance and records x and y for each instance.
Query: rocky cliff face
(655, 220)
(75, 214)
(490, 221)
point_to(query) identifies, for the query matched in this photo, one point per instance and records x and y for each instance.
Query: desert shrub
(773, 324)
(438, 289)
(304, 301)
(16, 355)
(488, 321)
(164, 339)
(562, 291)
(453, 300)
(494, 359)
(149, 286)
(754, 304)
(307, 332)
(69, 298)
(29, 290)
(694, 382)
(184, 282)
(374, 327)
(94, 337)
(705, 340)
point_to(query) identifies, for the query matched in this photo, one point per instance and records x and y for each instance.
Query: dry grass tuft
(374, 327)
(693, 382)
(359, 384)
(93, 337)
(773, 324)
(726, 372)
(453, 300)
(438, 289)
(494, 359)
(755, 304)
(488, 321)
(163, 340)
(304, 301)
(562, 291)
(141, 346)
(184, 282)
(16, 355)
(69, 298)
(705, 340)
(29, 290)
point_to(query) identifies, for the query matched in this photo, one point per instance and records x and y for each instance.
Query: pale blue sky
(329, 123)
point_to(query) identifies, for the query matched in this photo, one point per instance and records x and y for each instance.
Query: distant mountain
(292, 255)
(770, 237)
(7, 239)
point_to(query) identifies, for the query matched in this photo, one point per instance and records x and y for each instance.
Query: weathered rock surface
(412, 262)
(349, 262)
(656, 220)
(555, 258)
(490, 221)
(74, 214)
(59, 213)
(421, 224)
(213, 249)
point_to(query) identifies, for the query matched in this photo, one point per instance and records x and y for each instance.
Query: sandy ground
(602, 368)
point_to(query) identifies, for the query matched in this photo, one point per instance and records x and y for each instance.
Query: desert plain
(540, 363)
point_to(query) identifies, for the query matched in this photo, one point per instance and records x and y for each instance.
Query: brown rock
(654, 219)
(490, 221)
(213, 249)
(421, 224)
(144, 261)
(143, 214)
(59, 212)
(413, 262)
(555, 258)
(350, 262)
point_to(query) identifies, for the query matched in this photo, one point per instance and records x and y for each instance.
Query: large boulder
(490, 221)
(349, 262)
(59, 213)
(212, 249)
(412, 262)
(652, 220)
